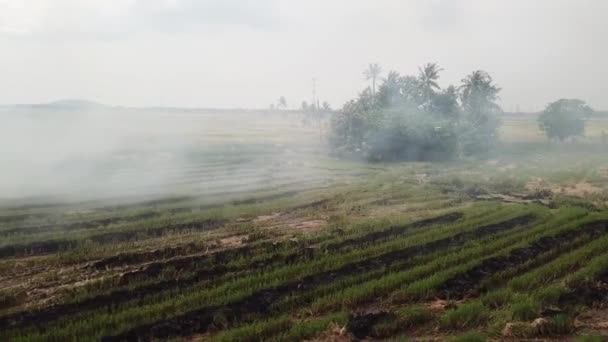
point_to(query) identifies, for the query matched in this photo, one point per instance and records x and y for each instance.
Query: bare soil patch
(308, 226)
(592, 322)
(582, 189)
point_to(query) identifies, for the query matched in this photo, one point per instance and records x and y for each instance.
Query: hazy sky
(230, 53)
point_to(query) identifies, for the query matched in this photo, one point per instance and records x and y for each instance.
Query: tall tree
(564, 118)
(372, 73)
(479, 94)
(428, 76)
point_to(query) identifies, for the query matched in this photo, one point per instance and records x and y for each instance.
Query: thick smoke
(98, 152)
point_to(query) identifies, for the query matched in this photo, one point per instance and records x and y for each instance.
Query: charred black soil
(468, 283)
(260, 302)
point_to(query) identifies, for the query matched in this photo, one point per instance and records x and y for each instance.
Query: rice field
(259, 235)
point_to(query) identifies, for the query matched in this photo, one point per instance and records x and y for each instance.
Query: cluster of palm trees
(477, 92)
(410, 110)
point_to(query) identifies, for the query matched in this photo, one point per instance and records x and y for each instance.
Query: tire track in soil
(259, 303)
(155, 269)
(467, 283)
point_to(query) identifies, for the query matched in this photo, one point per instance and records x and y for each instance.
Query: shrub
(404, 135)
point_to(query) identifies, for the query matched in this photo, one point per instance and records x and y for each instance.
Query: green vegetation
(564, 118)
(411, 118)
(464, 317)
(514, 247)
(471, 336)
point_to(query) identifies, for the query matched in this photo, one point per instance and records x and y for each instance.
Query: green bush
(404, 135)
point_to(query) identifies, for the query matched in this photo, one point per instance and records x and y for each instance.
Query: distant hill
(74, 104)
(61, 105)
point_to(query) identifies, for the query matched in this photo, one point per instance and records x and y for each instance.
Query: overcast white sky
(231, 53)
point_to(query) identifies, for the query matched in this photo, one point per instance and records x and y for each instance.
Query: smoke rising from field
(102, 152)
(239, 54)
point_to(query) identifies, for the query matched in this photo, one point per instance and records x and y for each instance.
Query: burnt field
(303, 171)
(396, 258)
(509, 248)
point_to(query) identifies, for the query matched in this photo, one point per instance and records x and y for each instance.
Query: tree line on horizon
(410, 117)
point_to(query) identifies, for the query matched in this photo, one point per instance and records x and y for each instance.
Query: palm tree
(478, 92)
(371, 73)
(478, 96)
(389, 92)
(429, 74)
